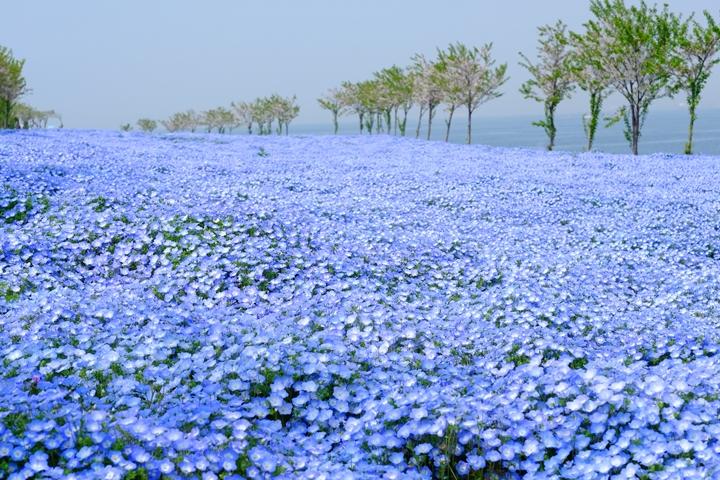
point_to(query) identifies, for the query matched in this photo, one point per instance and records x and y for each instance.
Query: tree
(42, 117)
(587, 71)
(397, 89)
(696, 49)
(173, 124)
(243, 115)
(226, 119)
(25, 113)
(333, 102)
(188, 120)
(478, 82)
(12, 84)
(31, 117)
(147, 125)
(220, 118)
(428, 89)
(262, 114)
(418, 99)
(287, 111)
(633, 45)
(351, 99)
(551, 81)
(450, 86)
(126, 128)
(368, 94)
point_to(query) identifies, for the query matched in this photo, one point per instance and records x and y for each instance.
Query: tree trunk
(396, 109)
(448, 122)
(286, 129)
(551, 126)
(335, 123)
(469, 137)
(635, 110)
(693, 117)
(6, 105)
(417, 132)
(430, 119)
(595, 106)
(361, 122)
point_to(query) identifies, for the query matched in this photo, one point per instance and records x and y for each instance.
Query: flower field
(336, 307)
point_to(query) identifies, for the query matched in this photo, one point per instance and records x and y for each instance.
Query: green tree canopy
(633, 46)
(12, 85)
(551, 80)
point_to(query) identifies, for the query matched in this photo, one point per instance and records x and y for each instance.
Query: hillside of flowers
(211, 306)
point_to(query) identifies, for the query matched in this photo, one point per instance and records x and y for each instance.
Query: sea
(664, 131)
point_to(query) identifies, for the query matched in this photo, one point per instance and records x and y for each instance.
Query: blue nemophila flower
(187, 299)
(38, 461)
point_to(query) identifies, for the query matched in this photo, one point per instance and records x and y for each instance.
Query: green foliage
(552, 80)
(145, 124)
(12, 85)
(633, 48)
(578, 363)
(695, 52)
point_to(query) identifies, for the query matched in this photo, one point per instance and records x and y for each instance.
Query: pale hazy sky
(106, 63)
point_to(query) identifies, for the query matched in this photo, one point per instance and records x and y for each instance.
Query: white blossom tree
(428, 89)
(243, 115)
(478, 81)
(450, 83)
(188, 121)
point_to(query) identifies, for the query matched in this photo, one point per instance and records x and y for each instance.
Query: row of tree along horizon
(641, 52)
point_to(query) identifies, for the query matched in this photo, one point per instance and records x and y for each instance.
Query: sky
(106, 63)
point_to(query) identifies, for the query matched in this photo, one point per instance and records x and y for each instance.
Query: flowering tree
(551, 81)
(428, 89)
(450, 84)
(478, 81)
(12, 84)
(351, 99)
(633, 45)
(333, 102)
(220, 118)
(285, 110)
(243, 115)
(696, 50)
(188, 121)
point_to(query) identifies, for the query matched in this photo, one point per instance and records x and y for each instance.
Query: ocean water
(663, 132)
